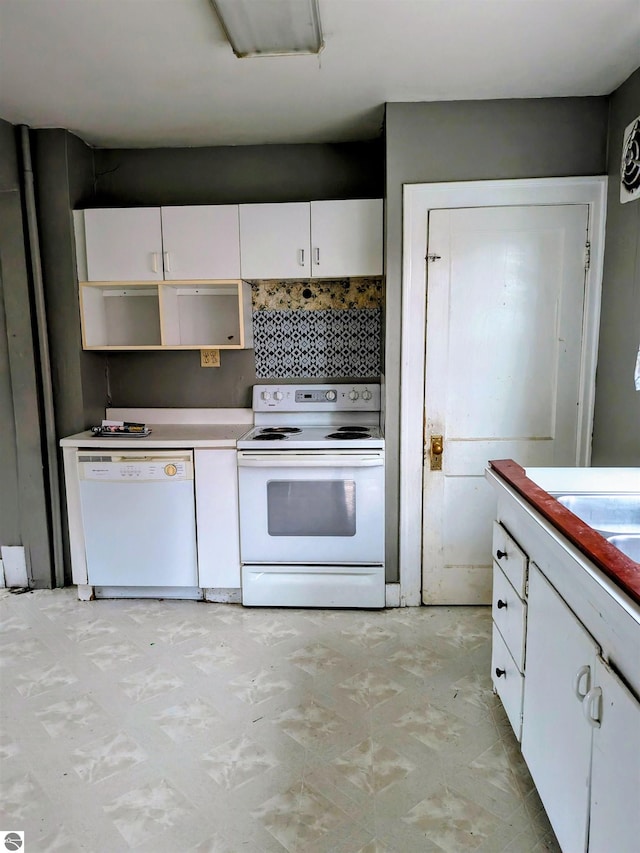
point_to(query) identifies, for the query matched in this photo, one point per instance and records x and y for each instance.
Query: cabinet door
(615, 767)
(201, 242)
(274, 240)
(346, 238)
(123, 244)
(556, 739)
(217, 518)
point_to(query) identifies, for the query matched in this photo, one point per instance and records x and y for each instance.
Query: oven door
(311, 507)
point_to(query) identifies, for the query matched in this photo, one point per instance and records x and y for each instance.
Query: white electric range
(311, 490)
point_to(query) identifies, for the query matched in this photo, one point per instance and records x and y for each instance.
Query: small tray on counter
(120, 432)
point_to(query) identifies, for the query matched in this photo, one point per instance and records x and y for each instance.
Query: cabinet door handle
(500, 672)
(301, 257)
(583, 672)
(501, 604)
(317, 256)
(154, 261)
(592, 699)
(167, 261)
(500, 554)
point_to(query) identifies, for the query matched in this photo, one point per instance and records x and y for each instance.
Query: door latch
(436, 448)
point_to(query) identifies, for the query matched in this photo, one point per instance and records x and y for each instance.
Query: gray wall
(23, 506)
(616, 434)
(468, 141)
(63, 167)
(238, 174)
(226, 175)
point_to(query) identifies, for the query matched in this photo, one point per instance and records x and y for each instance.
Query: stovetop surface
(314, 417)
(325, 437)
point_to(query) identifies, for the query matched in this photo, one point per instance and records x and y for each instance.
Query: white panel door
(346, 238)
(556, 739)
(505, 296)
(615, 768)
(275, 240)
(123, 244)
(201, 242)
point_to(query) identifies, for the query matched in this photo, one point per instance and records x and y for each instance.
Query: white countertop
(165, 435)
(179, 428)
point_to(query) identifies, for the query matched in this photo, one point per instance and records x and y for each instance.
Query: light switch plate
(209, 358)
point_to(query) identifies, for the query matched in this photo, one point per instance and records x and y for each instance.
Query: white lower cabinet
(509, 613)
(556, 739)
(580, 732)
(615, 764)
(217, 518)
(508, 681)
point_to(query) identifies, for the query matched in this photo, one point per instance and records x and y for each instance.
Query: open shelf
(172, 315)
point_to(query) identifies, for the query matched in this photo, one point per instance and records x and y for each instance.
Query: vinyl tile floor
(160, 726)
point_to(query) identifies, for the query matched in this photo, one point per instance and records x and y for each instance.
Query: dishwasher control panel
(114, 469)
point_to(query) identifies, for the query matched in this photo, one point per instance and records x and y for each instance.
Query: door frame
(418, 200)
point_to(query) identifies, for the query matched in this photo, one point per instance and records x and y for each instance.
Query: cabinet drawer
(509, 685)
(510, 557)
(509, 615)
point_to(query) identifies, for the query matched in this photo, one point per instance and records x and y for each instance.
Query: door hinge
(431, 258)
(587, 256)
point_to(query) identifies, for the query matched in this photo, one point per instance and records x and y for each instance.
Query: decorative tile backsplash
(315, 329)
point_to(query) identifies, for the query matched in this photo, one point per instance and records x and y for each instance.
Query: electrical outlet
(209, 358)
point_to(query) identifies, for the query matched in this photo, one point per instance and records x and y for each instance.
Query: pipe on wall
(44, 360)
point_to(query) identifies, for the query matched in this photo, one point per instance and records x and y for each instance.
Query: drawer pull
(501, 604)
(500, 672)
(500, 554)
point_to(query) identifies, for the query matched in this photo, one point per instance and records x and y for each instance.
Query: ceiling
(156, 73)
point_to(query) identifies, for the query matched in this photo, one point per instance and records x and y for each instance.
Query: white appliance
(138, 517)
(311, 490)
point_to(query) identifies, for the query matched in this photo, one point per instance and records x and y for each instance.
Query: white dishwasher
(138, 518)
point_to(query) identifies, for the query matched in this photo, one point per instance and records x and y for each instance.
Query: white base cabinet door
(615, 765)
(556, 740)
(217, 518)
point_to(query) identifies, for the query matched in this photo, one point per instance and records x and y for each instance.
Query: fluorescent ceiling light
(270, 27)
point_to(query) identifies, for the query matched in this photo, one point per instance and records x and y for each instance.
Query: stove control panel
(296, 398)
(329, 396)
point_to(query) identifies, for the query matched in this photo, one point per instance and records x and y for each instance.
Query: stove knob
(330, 396)
(278, 395)
(266, 395)
(353, 395)
(366, 394)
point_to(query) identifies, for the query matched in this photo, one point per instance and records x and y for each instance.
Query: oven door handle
(324, 461)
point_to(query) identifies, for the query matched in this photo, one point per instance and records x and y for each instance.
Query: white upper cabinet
(321, 239)
(122, 244)
(158, 244)
(201, 242)
(346, 238)
(274, 240)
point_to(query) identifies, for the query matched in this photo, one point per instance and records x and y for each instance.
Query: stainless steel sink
(629, 545)
(610, 515)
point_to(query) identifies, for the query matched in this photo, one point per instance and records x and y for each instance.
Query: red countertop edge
(624, 571)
